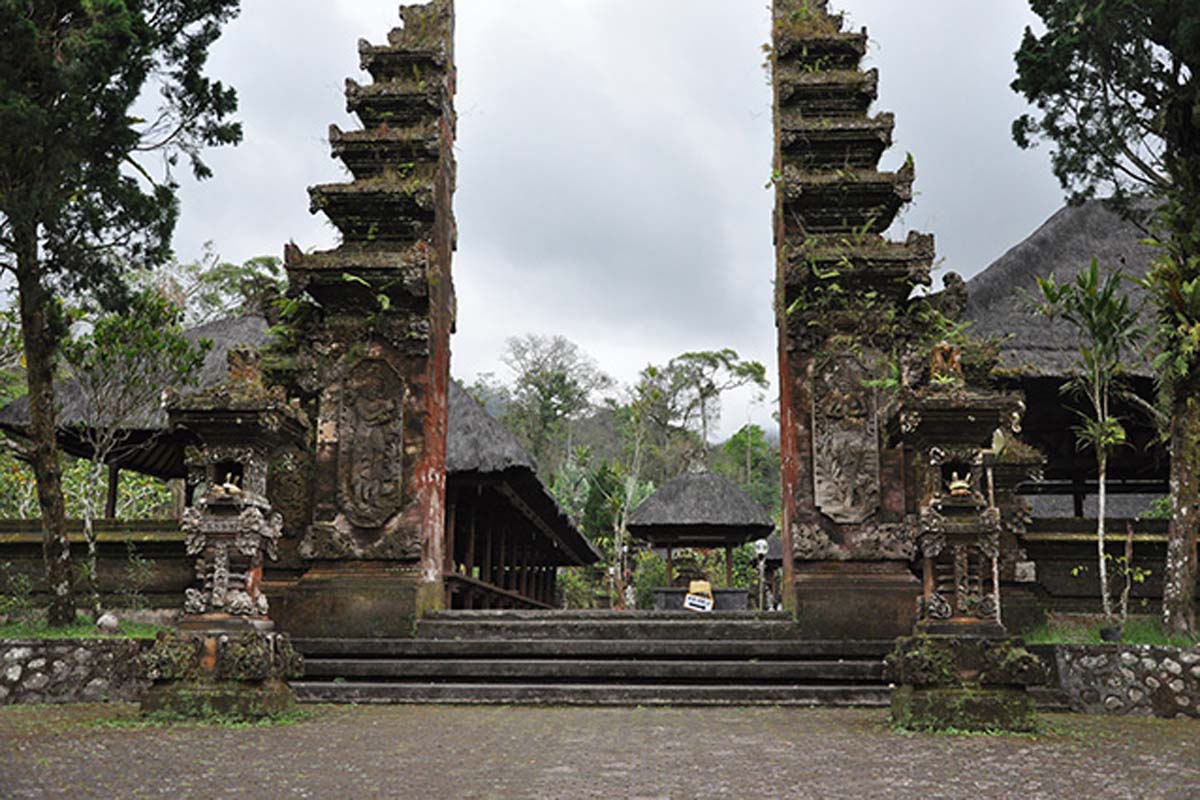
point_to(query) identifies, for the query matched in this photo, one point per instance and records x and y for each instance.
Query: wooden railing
(475, 593)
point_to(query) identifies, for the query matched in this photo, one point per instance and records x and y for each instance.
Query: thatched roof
(477, 442)
(699, 510)
(224, 335)
(1065, 245)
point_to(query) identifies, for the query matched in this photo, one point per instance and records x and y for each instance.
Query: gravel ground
(463, 752)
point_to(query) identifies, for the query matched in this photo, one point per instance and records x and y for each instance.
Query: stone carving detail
(229, 535)
(371, 444)
(845, 442)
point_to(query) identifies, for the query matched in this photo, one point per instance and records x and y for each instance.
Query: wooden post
(485, 569)
(114, 481)
(728, 567)
(449, 561)
(670, 569)
(469, 559)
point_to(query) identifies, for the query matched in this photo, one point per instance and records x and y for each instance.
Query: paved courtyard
(454, 752)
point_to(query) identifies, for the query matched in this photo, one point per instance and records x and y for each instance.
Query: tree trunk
(1179, 606)
(1105, 597)
(40, 345)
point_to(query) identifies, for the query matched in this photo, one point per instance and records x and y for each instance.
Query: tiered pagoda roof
(401, 163)
(834, 203)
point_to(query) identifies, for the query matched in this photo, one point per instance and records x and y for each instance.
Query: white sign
(697, 602)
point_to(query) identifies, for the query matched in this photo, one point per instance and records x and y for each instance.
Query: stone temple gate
(399, 496)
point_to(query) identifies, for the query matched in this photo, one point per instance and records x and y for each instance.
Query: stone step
(580, 670)
(591, 694)
(704, 649)
(605, 614)
(441, 628)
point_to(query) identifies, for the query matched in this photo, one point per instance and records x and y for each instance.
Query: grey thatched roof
(1065, 245)
(224, 334)
(699, 509)
(479, 443)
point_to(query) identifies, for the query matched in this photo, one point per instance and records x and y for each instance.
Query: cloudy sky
(613, 157)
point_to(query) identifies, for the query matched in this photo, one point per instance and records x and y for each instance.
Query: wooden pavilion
(700, 510)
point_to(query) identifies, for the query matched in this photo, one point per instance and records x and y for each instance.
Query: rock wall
(1130, 679)
(36, 671)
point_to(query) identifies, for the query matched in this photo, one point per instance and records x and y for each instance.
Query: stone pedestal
(855, 599)
(967, 683)
(357, 600)
(207, 674)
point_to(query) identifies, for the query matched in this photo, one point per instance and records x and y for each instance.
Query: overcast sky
(613, 157)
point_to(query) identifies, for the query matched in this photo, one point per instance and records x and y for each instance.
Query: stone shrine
(226, 658)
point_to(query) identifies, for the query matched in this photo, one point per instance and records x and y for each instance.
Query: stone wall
(71, 670)
(1129, 679)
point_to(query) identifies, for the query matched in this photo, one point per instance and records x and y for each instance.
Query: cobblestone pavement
(455, 752)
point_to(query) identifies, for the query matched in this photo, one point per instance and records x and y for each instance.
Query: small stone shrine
(960, 670)
(226, 658)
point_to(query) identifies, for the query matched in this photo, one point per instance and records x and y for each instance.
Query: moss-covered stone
(219, 700)
(963, 683)
(947, 661)
(206, 675)
(963, 709)
(250, 656)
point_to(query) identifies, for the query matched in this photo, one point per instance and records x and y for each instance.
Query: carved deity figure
(946, 363)
(371, 446)
(959, 486)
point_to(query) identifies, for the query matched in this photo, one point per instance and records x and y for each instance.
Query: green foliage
(1138, 630)
(84, 627)
(649, 573)
(139, 575)
(1160, 508)
(209, 289)
(138, 496)
(554, 382)
(752, 462)
(16, 594)
(70, 75)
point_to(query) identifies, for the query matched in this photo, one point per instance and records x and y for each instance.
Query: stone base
(855, 599)
(667, 599)
(1023, 606)
(226, 700)
(356, 600)
(969, 683)
(964, 709)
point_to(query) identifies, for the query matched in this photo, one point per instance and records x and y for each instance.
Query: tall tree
(686, 393)
(77, 201)
(1107, 325)
(554, 382)
(1117, 88)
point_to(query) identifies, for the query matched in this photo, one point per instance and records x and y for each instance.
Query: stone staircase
(596, 658)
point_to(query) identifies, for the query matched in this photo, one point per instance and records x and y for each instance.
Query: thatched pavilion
(700, 510)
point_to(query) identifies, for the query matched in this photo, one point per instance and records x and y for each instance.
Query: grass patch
(83, 628)
(1138, 630)
(164, 720)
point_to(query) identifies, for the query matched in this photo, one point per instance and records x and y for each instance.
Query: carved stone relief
(845, 441)
(371, 444)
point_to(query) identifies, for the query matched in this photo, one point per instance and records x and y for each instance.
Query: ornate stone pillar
(842, 294)
(226, 658)
(376, 344)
